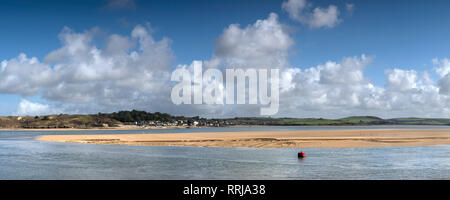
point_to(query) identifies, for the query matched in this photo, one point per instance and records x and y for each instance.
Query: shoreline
(133, 127)
(123, 128)
(272, 139)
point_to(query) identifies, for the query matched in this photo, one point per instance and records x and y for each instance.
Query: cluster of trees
(137, 116)
(143, 116)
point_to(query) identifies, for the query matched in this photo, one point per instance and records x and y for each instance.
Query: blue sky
(398, 34)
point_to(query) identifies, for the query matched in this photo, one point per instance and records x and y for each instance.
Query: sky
(337, 58)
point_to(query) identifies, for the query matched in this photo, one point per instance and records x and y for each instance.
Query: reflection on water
(22, 157)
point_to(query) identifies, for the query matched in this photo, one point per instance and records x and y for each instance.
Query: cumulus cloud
(442, 68)
(332, 89)
(410, 93)
(26, 107)
(294, 8)
(24, 76)
(330, 86)
(133, 72)
(264, 44)
(116, 76)
(301, 11)
(129, 71)
(401, 80)
(341, 89)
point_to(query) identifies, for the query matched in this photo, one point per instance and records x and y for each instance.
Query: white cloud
(119, 76)
(412, 94)
(294, 8)
(133, 72)
(24, 76)
(264, 44)
(318, 17)
(26, 107)
(350, 70)
(442, 67)
(401, 80)
(331, 86)
(341, 89)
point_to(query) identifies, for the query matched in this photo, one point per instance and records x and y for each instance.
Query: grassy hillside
(357, 120)
(58, 121)
(419, 121)
(362, 119)
(354, 120)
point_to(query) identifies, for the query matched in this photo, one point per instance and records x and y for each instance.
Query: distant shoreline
(123, 128)
(157, 120)
(133, 127)
(272, 139)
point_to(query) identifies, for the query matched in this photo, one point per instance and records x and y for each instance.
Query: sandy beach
(272, 139)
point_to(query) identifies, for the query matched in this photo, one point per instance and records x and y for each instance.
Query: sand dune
(272, 139)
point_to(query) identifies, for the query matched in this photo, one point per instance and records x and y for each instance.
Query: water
(23, 157)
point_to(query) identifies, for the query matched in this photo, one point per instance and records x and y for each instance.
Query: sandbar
(272, 139)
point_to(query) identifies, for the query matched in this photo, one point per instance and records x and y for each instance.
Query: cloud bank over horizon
(133, 72)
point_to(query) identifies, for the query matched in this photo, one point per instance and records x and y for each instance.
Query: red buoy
(301, 154)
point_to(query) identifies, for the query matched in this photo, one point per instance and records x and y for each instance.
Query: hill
(143, 118)
(58, 121)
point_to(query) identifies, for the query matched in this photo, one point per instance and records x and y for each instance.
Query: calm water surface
(23, 157)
